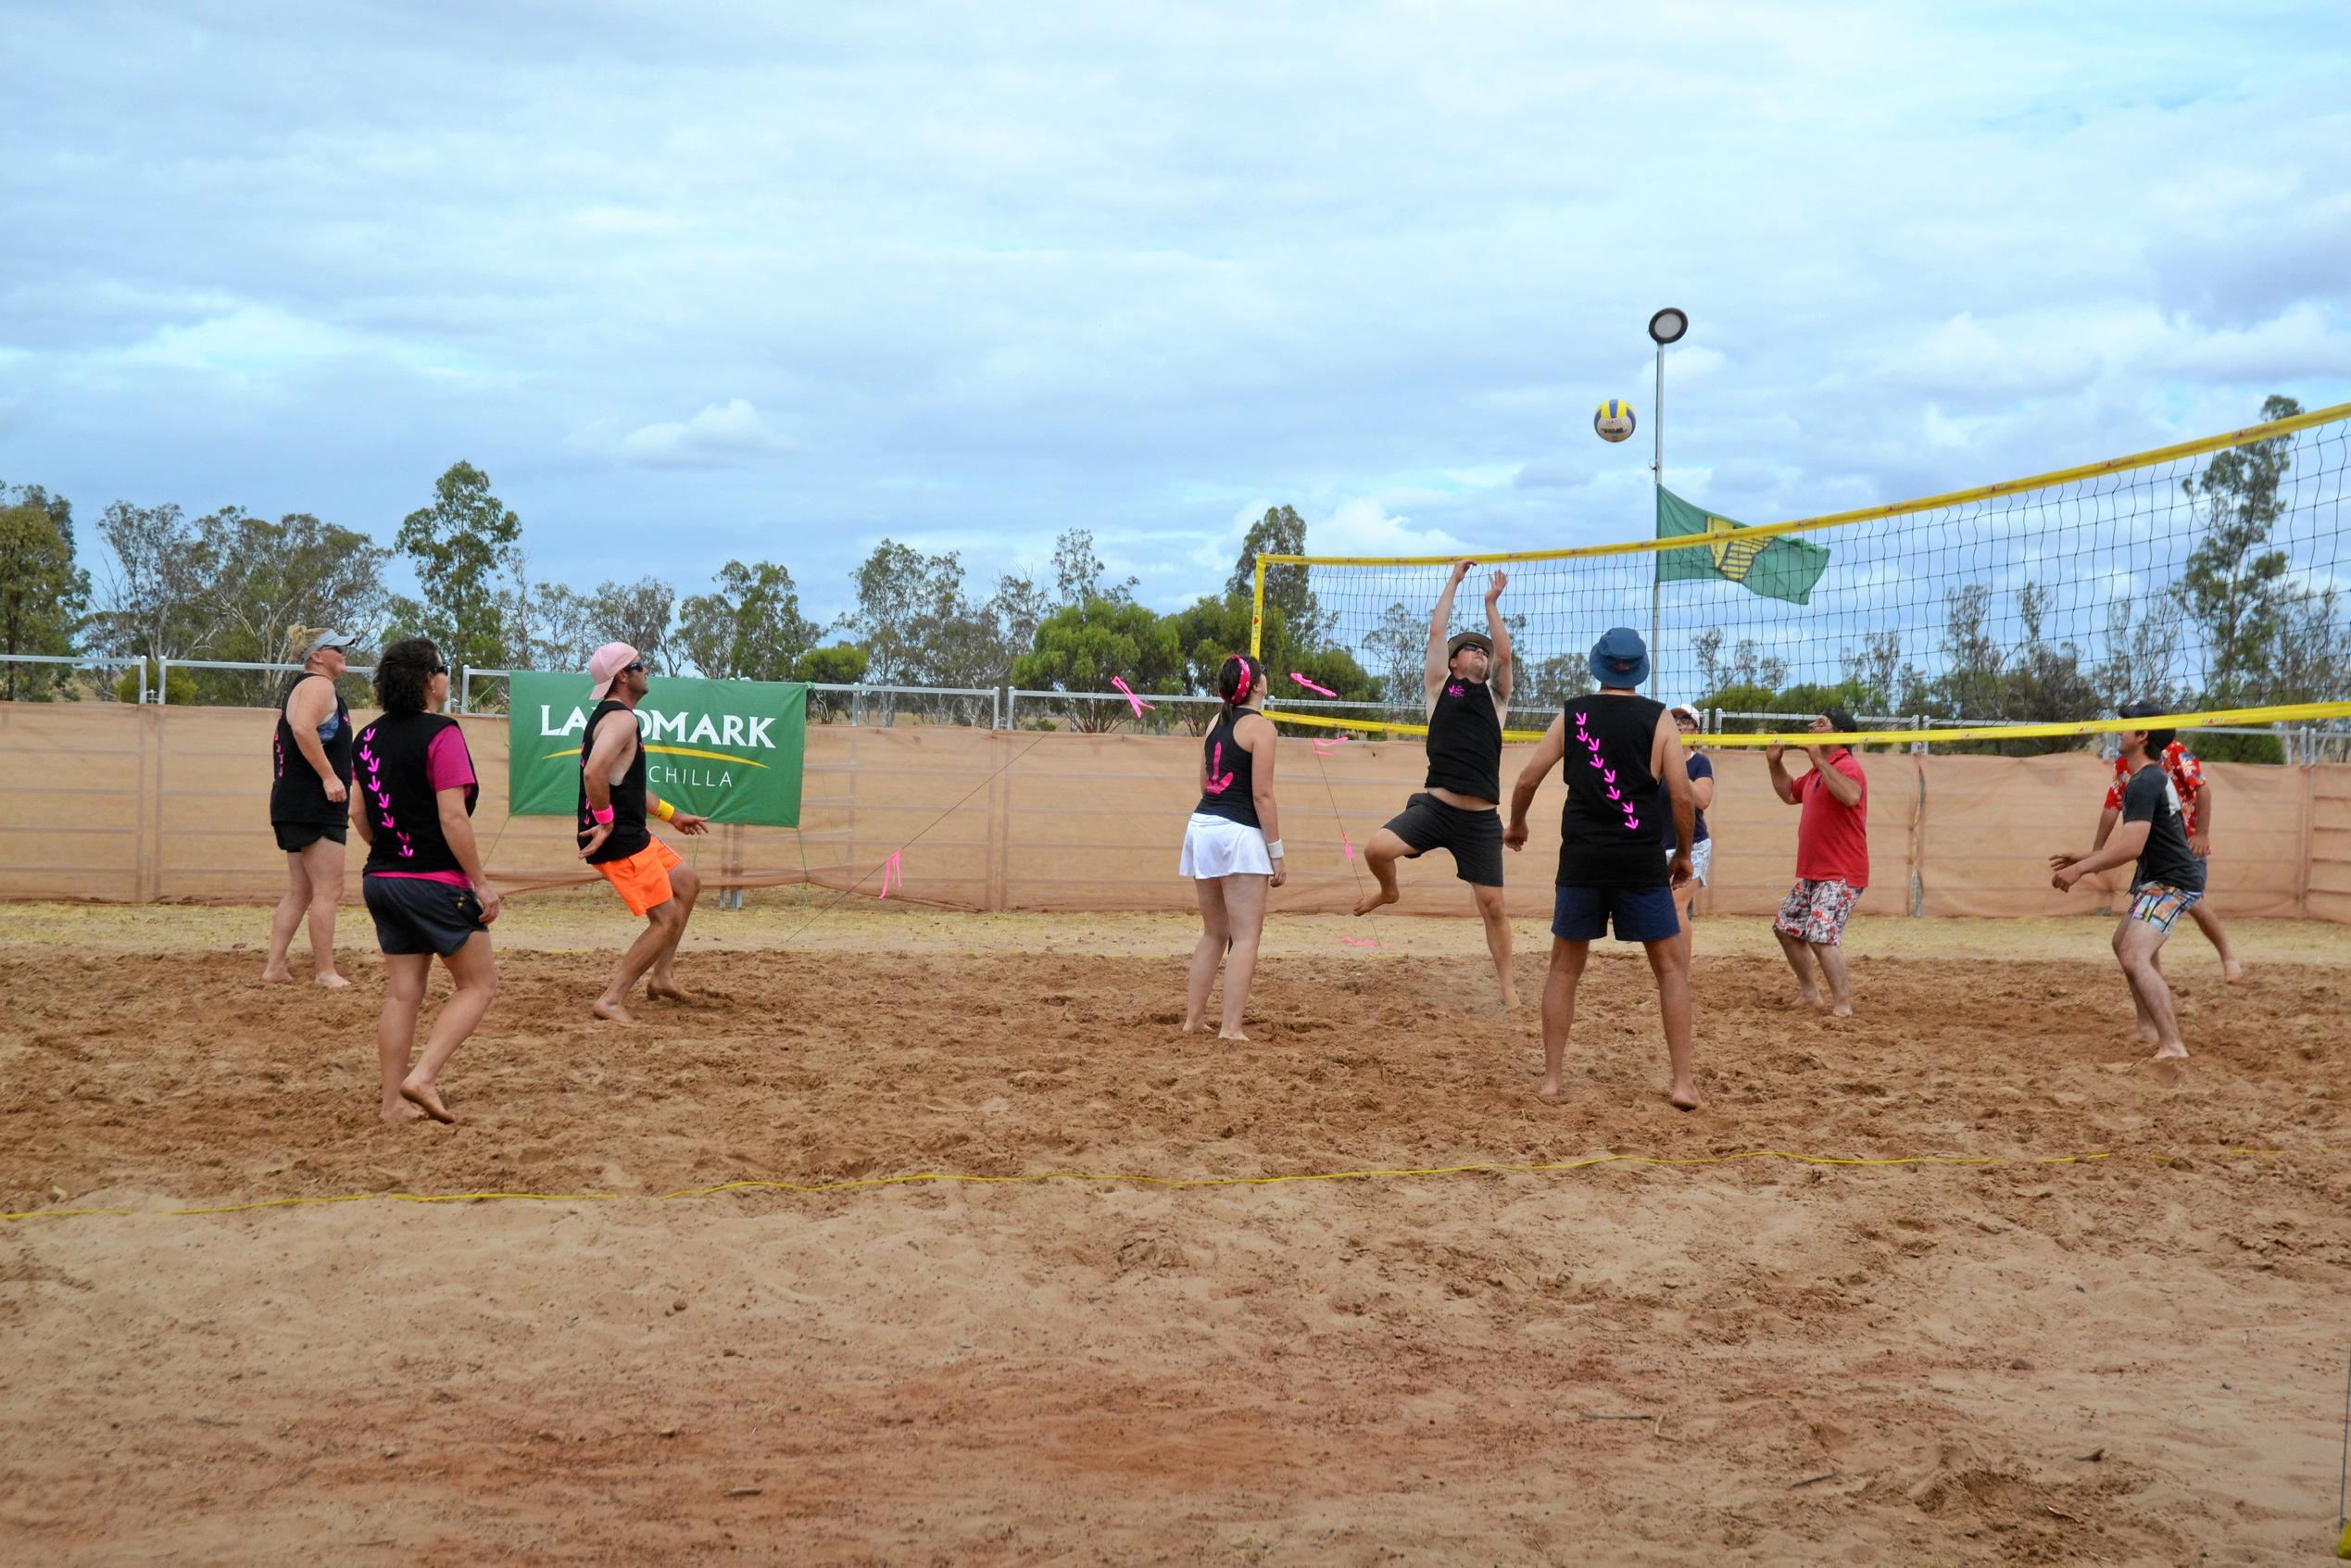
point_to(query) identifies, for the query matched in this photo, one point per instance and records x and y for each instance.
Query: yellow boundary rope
(2283, 713)
(931, 1177)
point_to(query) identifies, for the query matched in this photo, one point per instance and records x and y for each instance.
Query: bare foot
(1375, 898)
(1685, 1098)
(277, 977)
(1841, 1009)
(2232, 971)
(668, 991)
(403, 1111)
(1806, 999)
(332, 982)
(1236, 1035)
(2146, 1034)
(612, 1012)
(429, 1098)
(2175, 1051)
(1191, 1026)
(1548, 1088)
(1510, 999)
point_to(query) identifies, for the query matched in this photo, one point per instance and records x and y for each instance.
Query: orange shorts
(643, 880)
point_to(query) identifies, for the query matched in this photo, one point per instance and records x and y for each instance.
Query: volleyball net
(2206, 576)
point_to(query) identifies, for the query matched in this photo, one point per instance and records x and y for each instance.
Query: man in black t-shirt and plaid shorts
(2166, 885)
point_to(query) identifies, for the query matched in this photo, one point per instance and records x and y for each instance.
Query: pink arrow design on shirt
(1310, 685)
(1632, 822)
(1613, 795)
(1593, 760)
(1138, 703)
(1581, 722)
(1608, 773)
(1218, 783)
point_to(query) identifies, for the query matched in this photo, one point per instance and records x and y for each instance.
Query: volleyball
(1613, 419)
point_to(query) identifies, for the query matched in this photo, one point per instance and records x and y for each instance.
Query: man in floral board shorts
(2180, 766)
(1832, 860)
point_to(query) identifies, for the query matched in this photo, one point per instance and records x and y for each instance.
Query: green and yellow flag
(1781, 566)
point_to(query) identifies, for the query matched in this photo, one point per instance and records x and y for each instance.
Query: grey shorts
(416, 916)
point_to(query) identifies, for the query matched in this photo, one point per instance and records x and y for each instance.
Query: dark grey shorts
(1474, 837)
(416, 916)
(294, 837)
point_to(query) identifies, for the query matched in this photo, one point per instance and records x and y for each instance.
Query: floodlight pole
(1657, 486)
(1667, 326)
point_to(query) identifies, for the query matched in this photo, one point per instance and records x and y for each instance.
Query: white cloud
(723, 434)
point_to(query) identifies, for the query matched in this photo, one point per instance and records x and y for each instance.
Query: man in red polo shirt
(1832, 860)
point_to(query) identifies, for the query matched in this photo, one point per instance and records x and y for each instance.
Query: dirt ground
(2138, 1358)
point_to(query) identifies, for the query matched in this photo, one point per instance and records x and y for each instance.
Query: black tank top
(295, 793)
(1228, 772)
(1465, 741)
(396, 785)
(628, 833)
(1607, 836)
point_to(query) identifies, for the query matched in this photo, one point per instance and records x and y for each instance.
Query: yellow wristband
(665, 811)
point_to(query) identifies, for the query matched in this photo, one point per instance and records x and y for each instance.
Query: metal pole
(143, 683)
(162, 682)
(1657, 484)
(465, 686)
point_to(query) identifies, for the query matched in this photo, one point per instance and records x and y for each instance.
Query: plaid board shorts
(2160, 903)
(1817, 912)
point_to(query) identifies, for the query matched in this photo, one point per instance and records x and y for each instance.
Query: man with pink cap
(647, 873)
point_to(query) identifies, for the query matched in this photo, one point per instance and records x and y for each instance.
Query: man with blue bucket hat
(1617, 751)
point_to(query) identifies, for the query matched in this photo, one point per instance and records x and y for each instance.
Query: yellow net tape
(2288, 713)
(937, 1177)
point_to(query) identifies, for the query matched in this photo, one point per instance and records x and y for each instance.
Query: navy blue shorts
(416, 916)
(1640, 914)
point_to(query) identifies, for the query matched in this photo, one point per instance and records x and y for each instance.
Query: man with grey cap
(1620, 753)
(309, 783)
(1466, 683)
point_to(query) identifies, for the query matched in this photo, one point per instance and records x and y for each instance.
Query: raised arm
(1842, 787)
(1498, 669)
(1432, 674)
(1781, 785)
(1548, 751)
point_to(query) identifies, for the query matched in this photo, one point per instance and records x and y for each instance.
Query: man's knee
(1489, 906)
(685, 884)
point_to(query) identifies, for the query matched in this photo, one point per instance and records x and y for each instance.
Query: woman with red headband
(1232, 846)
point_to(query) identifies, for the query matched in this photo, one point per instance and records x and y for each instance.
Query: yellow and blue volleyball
(1613, 421)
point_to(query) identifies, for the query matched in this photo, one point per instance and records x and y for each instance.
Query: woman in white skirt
(1233, 846)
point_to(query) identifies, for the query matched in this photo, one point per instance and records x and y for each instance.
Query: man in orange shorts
(613, 838)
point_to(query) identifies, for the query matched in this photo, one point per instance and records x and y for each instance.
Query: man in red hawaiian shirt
(2179, 765)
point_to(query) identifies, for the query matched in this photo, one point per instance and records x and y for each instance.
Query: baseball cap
(1842, 719)
(1681, 708)
(2141, 710)
(1469, 640)
(325, 640)
(1620, 658)
(606, 663)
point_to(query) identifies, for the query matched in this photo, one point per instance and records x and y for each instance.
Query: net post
(465, 686)
(1657, 567)
(143, 680)
(1257, 614)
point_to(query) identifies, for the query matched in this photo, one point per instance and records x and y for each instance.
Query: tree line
(231, 586)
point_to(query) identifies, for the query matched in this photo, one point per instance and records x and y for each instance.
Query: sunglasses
(437, 669)
(636, 669)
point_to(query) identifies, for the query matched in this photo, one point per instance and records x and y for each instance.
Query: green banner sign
(728, 750)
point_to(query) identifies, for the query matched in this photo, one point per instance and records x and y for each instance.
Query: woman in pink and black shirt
(412, 800)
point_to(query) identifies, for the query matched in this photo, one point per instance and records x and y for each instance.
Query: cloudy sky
(775, 281)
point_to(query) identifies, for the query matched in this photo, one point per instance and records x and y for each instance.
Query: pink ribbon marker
(1136, 702)
(1359, 941)
(1324, 747)
(1310, 685)
(1345, 844)
(891, 868)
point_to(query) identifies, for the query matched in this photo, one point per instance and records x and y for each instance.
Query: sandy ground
(2134, 1359)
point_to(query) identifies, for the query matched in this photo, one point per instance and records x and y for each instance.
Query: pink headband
(1243, 690)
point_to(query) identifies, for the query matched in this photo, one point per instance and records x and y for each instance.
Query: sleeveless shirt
(629, 834)
(394, 780)
(1228, 772)
(295, 793)
(1606, 836)
(1465, 741)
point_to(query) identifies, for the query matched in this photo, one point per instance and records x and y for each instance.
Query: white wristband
(1274, 850)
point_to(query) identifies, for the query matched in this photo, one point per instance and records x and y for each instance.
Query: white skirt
(1217, 847)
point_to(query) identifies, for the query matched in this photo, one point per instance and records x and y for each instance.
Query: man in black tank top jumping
(1466, 683)
(1618, 750)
